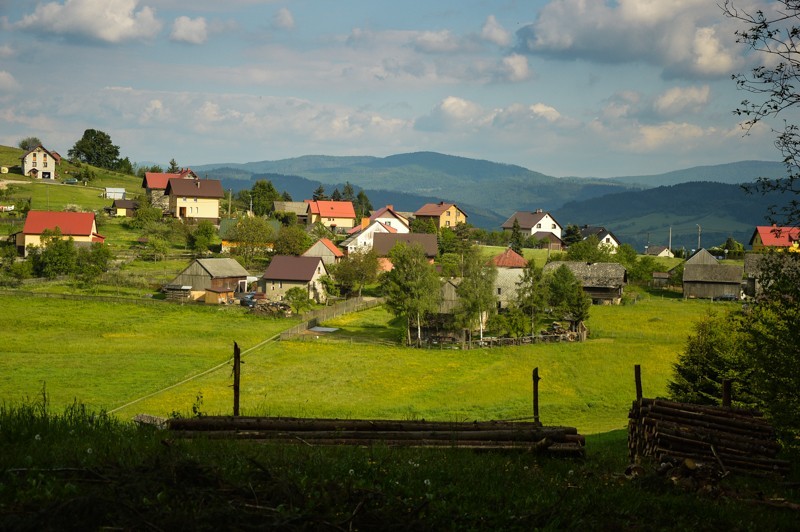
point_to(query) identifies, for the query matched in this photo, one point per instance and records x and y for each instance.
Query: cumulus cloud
(442, 41)
(516, 67)
(678, 100)
(686, 38)
(668, 135)
(453, 112)
(109, 21)
(191, 31)
(495, 33)
(283, 19)
(7, 82)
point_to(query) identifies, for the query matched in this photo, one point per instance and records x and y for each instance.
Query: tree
(589, 250)
(517, 239)
(292, 240)
(285, 196)
(124, 166)
(95, 148)
(200, 237)
(572, 235)
(56, 255)
(532, 293)
(92, 262)
(348, 194)
(412, 287)
(358, 269)
(566, 296)
(423, 225)
(773, 33)
(476, 295)
(253, 235)
(173, 167)
(336, 195)
(298, 299)
(319, 194)
(29, 143)
(264, 196)
(363, 206)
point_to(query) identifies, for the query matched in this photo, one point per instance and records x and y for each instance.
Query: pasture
(109, 354)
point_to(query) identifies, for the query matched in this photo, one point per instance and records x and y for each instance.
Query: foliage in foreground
(85, 471)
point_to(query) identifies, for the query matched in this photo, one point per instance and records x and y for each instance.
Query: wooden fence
(314, 318)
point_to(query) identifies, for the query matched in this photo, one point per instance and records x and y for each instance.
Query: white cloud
(452, 113)
(436, 42)
(494, 32)
(6, 51)
(283, 19)
(686, 38)
(7, 82)
(670, 135)
(516, 67)
(191, 31)
(682, 99)
(111, 21)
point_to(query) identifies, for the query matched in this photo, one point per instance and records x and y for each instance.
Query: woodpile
(528, 436)
(734, 439)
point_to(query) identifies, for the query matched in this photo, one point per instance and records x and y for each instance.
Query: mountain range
(705, 201)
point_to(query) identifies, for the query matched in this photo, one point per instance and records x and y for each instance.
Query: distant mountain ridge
(731, 173)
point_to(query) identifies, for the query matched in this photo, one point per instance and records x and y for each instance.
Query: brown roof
(527, 220)
(291, 268)
(195, 188)
(712, 273)
(125, 204)
(434, 209)
(509, 259)
(384, 242)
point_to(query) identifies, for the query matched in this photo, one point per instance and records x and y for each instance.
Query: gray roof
(300, 208)
(702, 257)
(527, 220)
(712, 273)
(384, 242)
(222, 268)
(593, 274)
(291, 268)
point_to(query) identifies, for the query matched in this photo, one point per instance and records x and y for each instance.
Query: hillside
(720, 209)
(731, 173)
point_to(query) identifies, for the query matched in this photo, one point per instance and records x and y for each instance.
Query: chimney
(390, 207)
(197, 182)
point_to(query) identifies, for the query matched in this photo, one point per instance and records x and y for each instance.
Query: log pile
(734, 439)
(528, 436)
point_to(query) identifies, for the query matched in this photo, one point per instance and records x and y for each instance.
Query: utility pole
(670, 238)
(699, 230)
(230, 200)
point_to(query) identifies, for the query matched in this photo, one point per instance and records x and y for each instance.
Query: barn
(218, 275)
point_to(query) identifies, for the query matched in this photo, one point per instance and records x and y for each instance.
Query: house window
(447, 213)
(608, 240)
(553, 226)
(447, 223)
(34, 164)
(45, 164)
(538, 226)
(499, 291)
(280, 284)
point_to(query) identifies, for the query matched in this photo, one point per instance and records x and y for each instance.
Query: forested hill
(731, 173)
(636, 217)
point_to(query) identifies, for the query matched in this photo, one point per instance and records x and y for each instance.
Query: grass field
(106, 355)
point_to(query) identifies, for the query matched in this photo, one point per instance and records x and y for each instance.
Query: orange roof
(159, 180)
(510, 259)
(775, 236)
(332, 209)
(331, 246)
(69, 223)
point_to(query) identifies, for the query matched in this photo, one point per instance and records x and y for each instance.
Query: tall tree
(56, 256)
(532, 293)
(363, 206)
(336, 195)
(319, 194)
(29, 143)
(358, 269)
(566, 296)
(517, 239)
(412, 287)
(572, 235)
(476, 295)
(252, 235)
(264, 196)
(173, 167)
(95, 148)
(348, 194)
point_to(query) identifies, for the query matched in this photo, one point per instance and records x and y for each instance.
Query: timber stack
(488, 435)
(735, 439)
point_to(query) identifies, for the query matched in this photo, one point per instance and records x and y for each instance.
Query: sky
(586, 88)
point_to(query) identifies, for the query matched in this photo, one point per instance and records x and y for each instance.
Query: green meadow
(108, 355)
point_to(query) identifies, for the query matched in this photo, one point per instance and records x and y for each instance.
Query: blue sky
(564, 87)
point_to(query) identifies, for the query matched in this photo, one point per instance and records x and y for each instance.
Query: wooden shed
(219, 296)
(604, 282)
(712, 281)
(216, 274)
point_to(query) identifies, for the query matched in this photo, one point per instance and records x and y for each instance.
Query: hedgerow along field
(106, 355)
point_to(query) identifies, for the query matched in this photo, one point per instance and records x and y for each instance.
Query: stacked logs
(735, 439)
(529, 436)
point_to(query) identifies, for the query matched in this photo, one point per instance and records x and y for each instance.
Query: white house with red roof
(155, 185)
(390, 217)
(332, 214)
(40, 163)
(363, 240)
(80, 226)
(326, 250)
(775, 237)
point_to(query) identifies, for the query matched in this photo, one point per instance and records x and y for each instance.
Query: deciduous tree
(29, 143)
(95, 148)
(358, 269)
(476, 297)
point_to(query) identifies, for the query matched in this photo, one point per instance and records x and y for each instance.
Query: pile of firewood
(529, 436)
(733, 439)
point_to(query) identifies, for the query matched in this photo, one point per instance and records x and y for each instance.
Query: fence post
(536, 380)
(237, 361)
(637, 376)
(726, 393)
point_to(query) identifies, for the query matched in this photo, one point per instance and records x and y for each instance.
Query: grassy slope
(143, 348)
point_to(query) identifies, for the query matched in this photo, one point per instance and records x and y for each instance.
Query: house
(326, 250)
(114, 193)
(332, 214)
(383, 243)
(712, 281)
(659, 251)
(774, 237)
(299, 208)
(363, 240)
(287, 271)
(194, 199)
(124, 207)
(531, 223)
(227, 234)
(388, 216)
(221, 276)
(510, 269)
(80, 226)
(40, 163)
(155, 185)
(442, 214)
(602, 281)
(604, 237)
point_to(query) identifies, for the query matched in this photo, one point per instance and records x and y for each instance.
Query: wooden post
(536, 380)
(726, 393)
(237, 373)
(637, 375)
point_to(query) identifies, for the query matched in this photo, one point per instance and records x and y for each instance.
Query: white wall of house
(394, 223)
(547, 225)
(364, 239)
(43, 162)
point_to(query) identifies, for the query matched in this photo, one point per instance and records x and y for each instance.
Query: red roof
(331, 246)
(159, 180)
(510, 259)
(69, 223)
(332, 209)
(774, 236)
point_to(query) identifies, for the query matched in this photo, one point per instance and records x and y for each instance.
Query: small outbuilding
(220, 275)
(602, 281)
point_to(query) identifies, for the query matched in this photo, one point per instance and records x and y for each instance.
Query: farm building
(124, 207)
(712, 281)
(114, 193)
(510, 268)
(80, 226)
(300, 209)
(286, 272)
(602, 281)
(209, 274)
(326, 250)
